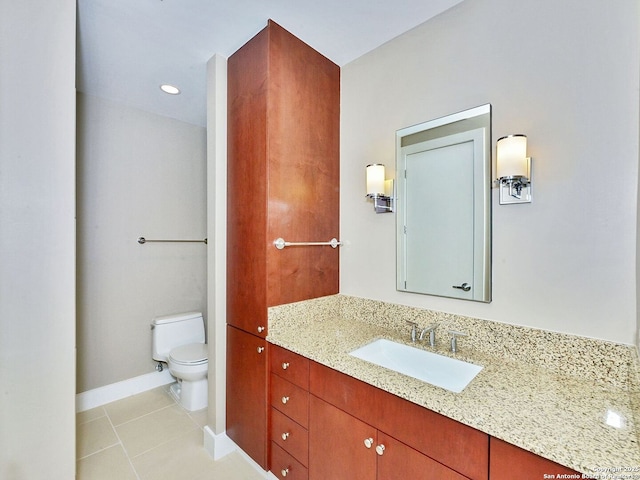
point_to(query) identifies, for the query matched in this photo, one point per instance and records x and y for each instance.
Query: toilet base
(190, 395)
(174, 390)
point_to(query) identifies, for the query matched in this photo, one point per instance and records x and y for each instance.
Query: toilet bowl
(179, 341)
(189, 364)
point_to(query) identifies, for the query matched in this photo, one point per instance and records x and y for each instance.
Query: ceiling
(128, 48)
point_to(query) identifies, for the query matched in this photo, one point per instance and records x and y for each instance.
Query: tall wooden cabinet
(283, 182)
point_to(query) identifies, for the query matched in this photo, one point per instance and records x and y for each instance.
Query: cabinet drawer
(290, 399)
(353, 396)
(290, 436)
(285, 467)
(290, 366)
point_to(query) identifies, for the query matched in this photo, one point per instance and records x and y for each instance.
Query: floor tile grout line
(145, 415)
(167, 394)
(104, 414)
(133, 468)
(101, 449)
(168, 441)
(98, 451)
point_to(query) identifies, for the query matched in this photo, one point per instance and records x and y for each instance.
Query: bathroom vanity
(513, 420)
(326, 424)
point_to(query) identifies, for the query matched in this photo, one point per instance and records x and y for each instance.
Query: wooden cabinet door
(400, 462)
(336, 444)
(507, 461)
(304, 169)
(247, 72)
(247, 408)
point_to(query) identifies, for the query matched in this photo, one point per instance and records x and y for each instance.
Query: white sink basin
(438, 370)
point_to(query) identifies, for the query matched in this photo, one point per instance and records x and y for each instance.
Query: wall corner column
(217, 235)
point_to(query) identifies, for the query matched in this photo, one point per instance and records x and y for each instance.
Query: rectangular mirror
(443, 178)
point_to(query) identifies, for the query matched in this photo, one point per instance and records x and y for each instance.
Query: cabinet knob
(285, 435)
(380, 449)
(368, 442)
(260, 349)
(260, 329)
(285, 472)
(285, 400)
(285, 365)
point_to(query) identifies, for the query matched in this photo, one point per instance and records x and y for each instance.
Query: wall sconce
(379, 189)
(513, 169)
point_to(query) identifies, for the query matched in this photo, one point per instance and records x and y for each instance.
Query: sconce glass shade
(511, 157)
(513, 169)
(375, 179)
(379, 189)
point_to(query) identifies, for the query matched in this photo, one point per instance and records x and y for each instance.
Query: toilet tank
(170, 331)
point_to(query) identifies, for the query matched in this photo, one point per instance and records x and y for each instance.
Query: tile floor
(149, 436)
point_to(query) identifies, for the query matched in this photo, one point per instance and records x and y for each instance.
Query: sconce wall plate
(516, 189)
(382, 203)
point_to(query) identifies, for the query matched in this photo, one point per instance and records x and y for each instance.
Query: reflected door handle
(465, 286)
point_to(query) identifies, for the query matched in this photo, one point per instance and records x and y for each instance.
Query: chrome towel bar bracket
(280, 243)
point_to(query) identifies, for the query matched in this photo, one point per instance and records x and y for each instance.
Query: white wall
(37, 238)
(567, 75)
(139, 174)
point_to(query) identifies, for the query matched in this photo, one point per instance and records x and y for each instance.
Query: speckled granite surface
(573, 400)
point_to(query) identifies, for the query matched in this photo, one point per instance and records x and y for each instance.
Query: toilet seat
(190, 354)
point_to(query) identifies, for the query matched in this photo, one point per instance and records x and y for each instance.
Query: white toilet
(179, 341)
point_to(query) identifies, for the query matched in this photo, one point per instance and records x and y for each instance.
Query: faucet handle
(414, 326)
(454, 339)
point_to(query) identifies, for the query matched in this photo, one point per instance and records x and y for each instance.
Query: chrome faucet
(454, 339)
(432, 334)
(414, 326)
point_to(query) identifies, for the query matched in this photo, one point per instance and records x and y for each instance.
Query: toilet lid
(190, 354)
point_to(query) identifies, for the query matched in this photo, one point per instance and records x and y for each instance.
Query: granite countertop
(579, 423)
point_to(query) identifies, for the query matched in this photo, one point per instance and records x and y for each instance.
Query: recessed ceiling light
(170, 89)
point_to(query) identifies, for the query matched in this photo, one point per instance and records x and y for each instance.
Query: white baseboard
(218, 446)
(116, 391)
